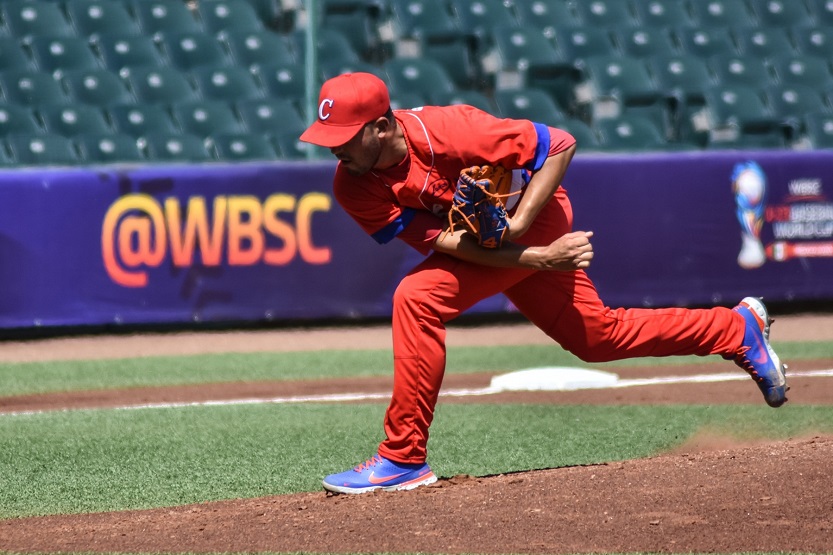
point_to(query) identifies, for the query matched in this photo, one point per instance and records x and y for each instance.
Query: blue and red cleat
(756, 355)
(380, 473)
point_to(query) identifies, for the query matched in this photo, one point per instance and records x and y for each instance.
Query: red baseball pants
(565, 305)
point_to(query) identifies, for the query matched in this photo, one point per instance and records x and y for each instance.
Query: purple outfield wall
(266, 242)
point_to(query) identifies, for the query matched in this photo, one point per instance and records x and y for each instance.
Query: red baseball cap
(346, 104)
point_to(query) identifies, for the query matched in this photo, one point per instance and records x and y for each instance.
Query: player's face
(360, 154)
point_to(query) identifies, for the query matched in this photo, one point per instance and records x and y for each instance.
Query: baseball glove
(479, 205)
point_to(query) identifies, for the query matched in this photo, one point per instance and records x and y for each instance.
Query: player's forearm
(539, 191)
(569, 252)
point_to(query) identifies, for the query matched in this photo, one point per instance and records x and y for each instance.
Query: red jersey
(411, 199)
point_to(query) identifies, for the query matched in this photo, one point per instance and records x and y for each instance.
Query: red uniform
(410, 202)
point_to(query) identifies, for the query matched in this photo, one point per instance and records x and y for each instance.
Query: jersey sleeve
(422, 231)
(560, 141)
(477, 137)
(372, 206)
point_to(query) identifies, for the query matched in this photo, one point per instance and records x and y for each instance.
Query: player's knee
(409, 293)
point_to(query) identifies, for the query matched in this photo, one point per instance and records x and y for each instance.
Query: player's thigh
(557, 302)
(448, 285)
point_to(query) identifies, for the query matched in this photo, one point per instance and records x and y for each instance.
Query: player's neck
(393, 151)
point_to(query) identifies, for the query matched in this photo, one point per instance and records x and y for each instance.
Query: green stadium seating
(226, 83)
(243, 147)
(99, 87)
(109, 148)
(138, 120)
(75, 119)
(93, 17)
(206, 117)
(222, 16)
(176, 147)
(42, 150)
(164, 16)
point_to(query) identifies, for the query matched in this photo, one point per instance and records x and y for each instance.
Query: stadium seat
(268, 114)
(270, 12)
(606, 13)
(781, 13)
(222, 16)
(407, 100)
(629, 133)
(532, 104)
(681, 76)
(74, 119)
(138, 120)
(663, 14)
(417, 75)
(206, 117)
(527, 54)
(763, 42)
(683, 80)
(711, 14)
(283, 81)
(160, 85)
(253, 48)
(226, 83)
(733, 112)
(332, 68)
(459, 59)
(60, 54)
(13, 56)
(423, 20)
(544, 15)
(802, 70)
(26, 20)
(289, 147)
(360, 30)
(819, 130)
(465, 96)
(333, 47)
(119, 51)
(790, 103)
(814, 41)
(644, 42)
(99, 87)
(176, 147)
(165, 16)
(521, 49)
(580, 43)
(109, 148)
(32, 88)
(5, 156)
(625, 79)
(823, 12)
(187, 51)
(479, 17)
(731, 69)
(43, 150)
(93, 17)
(706, 42)
(587, 140)
(240, 147)
(16, 120)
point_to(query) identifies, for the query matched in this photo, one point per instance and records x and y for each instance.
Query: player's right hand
(571, 251)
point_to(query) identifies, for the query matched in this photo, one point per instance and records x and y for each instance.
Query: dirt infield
(712, 495)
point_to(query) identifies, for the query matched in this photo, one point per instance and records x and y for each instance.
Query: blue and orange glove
(479, 204)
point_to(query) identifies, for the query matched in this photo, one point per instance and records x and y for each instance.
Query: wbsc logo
(139, 232)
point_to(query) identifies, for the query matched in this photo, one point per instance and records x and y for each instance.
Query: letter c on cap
(328, 103)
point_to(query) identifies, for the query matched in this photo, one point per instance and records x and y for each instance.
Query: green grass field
(104, 460)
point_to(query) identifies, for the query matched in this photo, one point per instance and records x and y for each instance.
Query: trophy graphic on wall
(749, 186)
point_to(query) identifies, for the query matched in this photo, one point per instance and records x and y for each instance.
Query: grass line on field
(44, 377)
